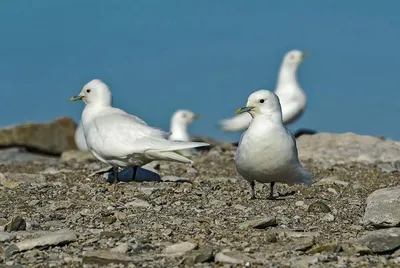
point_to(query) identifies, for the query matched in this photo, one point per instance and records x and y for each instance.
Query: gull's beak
(197, 116)
(244, 109)
(75, 98)
(306, 54)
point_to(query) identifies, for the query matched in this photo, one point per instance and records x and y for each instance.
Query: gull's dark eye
(183, 115)
(262, 101)
(87, 90)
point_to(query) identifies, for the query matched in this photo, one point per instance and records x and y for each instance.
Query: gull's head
(184, 117)
(262, 102)
(94, 92)
(294, 57)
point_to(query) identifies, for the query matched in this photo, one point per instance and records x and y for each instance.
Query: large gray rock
(380, 241)
(332, 148)
(53, 138)
(383, 208)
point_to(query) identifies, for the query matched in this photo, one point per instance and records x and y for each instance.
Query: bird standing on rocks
(267, 151)
(180, 122)
(120, 139)
(291, 96)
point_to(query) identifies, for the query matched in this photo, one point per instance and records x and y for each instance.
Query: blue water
(207, 56)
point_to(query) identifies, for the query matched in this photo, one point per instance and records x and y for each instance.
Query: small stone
(233, 257)
(299, 203)
(33, 202)
(5, 237)
(122, 248)
(138, 203)
(318, 206)
(330, 247)
(108, 234)
(180, 248)
(332, 190)
(16, 224)
(328, 217)
(259, 223)
(167, 232)
(199, 256)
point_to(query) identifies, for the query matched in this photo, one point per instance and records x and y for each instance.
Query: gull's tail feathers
(169, 152)
(305, 176)
(237, 123)
(168, 156)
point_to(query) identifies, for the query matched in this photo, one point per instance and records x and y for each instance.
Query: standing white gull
(267, 151)
(291, 96)
(120, 139)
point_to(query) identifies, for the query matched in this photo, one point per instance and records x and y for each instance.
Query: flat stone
(383, 208)
(233, 257)
(380, 241)
(180, 248)
(105, 257)
(331, 180)
(55, 238)
(5, 237)
(259, 223)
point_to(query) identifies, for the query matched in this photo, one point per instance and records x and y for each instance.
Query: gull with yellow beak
(120, 139)
(267, 151)
(291, 96)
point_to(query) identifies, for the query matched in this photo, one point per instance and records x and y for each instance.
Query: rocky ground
(54, 214)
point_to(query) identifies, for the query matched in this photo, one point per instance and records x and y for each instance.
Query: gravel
(52, 214)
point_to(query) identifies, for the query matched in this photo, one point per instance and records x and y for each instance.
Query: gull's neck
(288, 76)
(92, 110)
(179, 131)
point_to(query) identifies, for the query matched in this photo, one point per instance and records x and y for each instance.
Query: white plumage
(267, 151)
(121, 139)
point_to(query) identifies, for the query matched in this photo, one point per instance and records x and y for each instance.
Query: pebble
(180, 248)
(299, 203)
(259, 223)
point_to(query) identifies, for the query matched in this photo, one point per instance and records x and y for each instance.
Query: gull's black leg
(252, 192)
(271, 192)
(115, 169)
